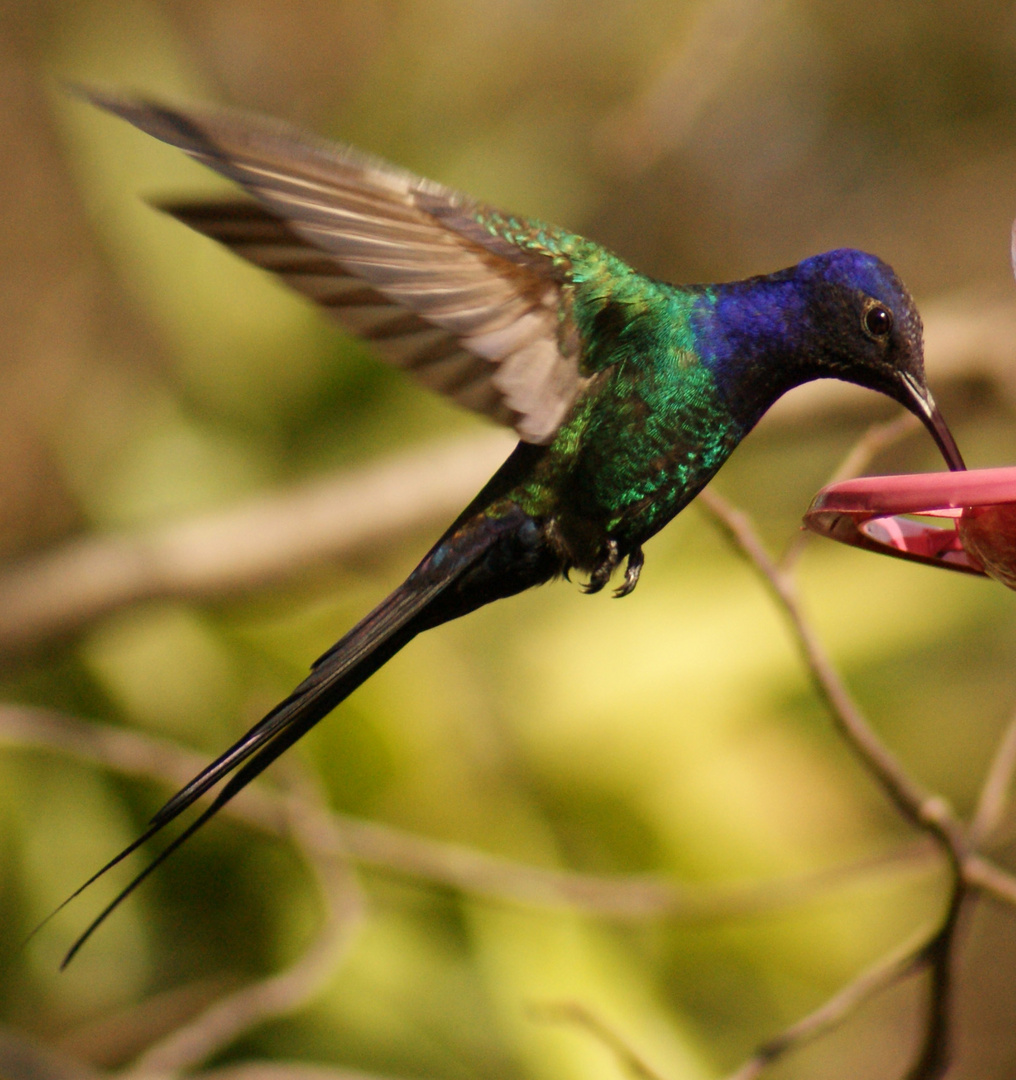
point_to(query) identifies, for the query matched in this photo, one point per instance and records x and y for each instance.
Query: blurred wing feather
(398, 260)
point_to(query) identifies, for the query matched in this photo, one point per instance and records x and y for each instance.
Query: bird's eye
(877, 321)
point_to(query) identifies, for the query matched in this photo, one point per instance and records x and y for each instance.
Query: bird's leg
(631, 573)
(607, 565)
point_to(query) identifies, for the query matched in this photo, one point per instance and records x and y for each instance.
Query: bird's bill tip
(946, 443)
(923, 404)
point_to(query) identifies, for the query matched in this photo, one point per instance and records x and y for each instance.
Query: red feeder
(974, 527)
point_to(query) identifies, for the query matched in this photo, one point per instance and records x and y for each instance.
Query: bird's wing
(397, 259)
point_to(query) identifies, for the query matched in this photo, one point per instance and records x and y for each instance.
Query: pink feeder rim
(864, 512)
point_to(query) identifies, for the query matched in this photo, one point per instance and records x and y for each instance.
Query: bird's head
(841, 315)
(864, 327)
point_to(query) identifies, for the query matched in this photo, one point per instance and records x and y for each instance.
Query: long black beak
(922, 404)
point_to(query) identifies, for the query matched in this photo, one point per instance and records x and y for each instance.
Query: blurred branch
(664, 115)
(878, 438)
(982, 874)
(248, 546)
(277, 1070)
(22, 1058)
(933, 1059)
(969, 337)
(450, 865)
(926, 811)
(995, 791)
(921, 808)
(897, 965)
(579, 1015)
(230, 1017)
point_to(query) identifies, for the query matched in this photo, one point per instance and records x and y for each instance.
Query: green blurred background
(147, 377)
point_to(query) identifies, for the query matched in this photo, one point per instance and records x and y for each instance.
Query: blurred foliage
(147, 375)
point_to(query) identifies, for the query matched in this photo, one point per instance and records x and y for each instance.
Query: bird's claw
(636, 560)
(602, 573)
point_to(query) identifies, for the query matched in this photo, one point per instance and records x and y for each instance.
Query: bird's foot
(601, 574)
(636, 560)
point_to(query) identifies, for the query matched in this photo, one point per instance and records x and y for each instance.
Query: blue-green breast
(651, 428)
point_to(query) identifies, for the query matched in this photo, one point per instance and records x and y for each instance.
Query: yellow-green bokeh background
(146, 376)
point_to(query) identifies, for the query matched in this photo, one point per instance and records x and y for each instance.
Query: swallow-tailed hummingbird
(627, 393)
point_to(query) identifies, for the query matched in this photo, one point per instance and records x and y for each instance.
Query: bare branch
(982, 874)
(933, 1060)
(285, 992)
(579, 1015)
(929, 813)
(278, 1070)
(450, 865)
(897, 965)
(995, 790)
(924, 810)
(247, 546)
(878, 438)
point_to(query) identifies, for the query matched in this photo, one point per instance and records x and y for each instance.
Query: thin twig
(886, 972)
(923, 809)
(225, 1020)
(878, 438)
(995, 790)
(992, 880)
(450, 865)
(579, 1015)
(265, 540)
(926, 811)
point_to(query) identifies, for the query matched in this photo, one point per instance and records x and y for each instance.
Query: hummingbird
(627, 393)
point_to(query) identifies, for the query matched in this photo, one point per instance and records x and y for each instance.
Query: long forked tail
(352, 660)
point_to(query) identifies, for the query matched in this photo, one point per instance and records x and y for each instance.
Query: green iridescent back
(650, 393)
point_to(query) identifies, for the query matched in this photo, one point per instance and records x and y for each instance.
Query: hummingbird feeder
(966, 521)
(973, 514)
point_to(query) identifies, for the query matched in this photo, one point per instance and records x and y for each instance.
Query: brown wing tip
(161, 121)
(236, 222)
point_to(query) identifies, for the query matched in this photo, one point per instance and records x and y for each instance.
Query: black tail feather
(259, 755)
(490, 558)
(118, 858)
(333, 677)
(138, 878)
(371, 643)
